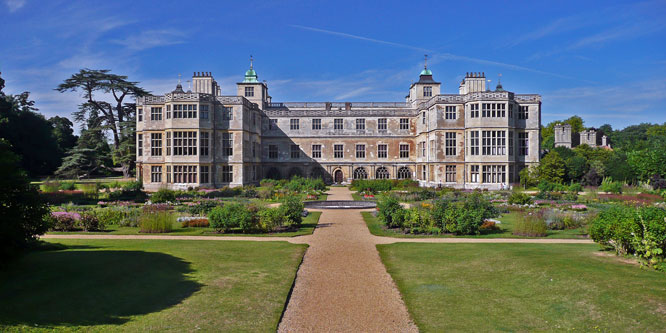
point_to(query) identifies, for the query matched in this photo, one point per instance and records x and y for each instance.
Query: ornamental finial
(425, 64)
(251, 60)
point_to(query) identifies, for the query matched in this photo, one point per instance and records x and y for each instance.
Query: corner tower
(425, 88)
(252, 89)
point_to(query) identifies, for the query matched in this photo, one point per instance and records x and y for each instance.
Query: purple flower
(71, 215)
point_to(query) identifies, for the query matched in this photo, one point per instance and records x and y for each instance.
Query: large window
(168, 111)
(511, 143)
(510, 110)
(427, 91)
(205, 143)
(316, 124)
(474, 174)
(184, 111)
(451, 112)
(382, 151)
(360, 173)
(227, 173)
(494, 174)
(404, 151)
(316, 151)
(338, 124)
(404, 123)
(227, 113)
(404, 173)
(155, 113)
(493, 110)
(381, 124)
(272, 151)
(295, 151)
(185, 143)
(204, 176)
(227, 144)
(156, 144)
(203, 111)
(360, 124)
(524, 112)
(294, 124)
(523, 141)
(272, 124)
(155, 174)
(450, 143)
(249, 91)
(184, 173)
(450, 175)
(474, 143)
(139, 113)
(493, 142)
(168, 143)
(422, 148)
(338, 151)
(139, 145)
(474, 110)
(360, 151)
(382, 173)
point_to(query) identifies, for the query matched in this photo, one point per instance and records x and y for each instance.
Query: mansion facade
(477, 138)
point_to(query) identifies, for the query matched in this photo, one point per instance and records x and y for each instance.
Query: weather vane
(251, 59)
(178, 78)
(426, 61)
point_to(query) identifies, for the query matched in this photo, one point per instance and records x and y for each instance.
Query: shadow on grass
(83, 288)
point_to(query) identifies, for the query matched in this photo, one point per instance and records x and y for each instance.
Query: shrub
(156, 222)
(530, 225)
(202, 208)
(68, 186)
(132, 186)
(230, 216)
(519, 198)
(613, 228)
(271, 219)
(390, 212)
(121, 216)
(418, 220)
(489, 226)
(293, 208)
(90, 222)
(50, 186)
(249, 192)
(465, 216)
(196, 223)
(608, 185)
(90, 190)
(63, 221)
(163, 195)
(575, 187)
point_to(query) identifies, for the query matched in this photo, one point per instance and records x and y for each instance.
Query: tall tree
(115, 114)
(28, 133)
(63, 130)
(91, 155)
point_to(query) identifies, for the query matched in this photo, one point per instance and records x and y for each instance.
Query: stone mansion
(477, 138)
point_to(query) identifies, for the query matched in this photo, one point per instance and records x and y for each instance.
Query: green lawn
(377, 228)
(307, 228)
(149, 285)
(525, 287)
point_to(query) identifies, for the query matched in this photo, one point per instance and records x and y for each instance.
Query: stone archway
(338, 176)
(404, 173)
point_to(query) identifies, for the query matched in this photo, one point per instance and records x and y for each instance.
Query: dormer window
(427, 91)
(249, 91)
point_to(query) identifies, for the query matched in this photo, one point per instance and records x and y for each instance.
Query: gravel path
(342, 284)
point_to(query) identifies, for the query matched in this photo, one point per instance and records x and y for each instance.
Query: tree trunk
(127, 167)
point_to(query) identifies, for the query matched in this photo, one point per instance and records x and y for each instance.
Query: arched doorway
(273, 173)
(338, 176)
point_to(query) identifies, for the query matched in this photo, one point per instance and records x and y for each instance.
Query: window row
(182, 111)
(382, 173)
(184, 143)
(496, 110)
(187, 174)
(338, 151)
(338, 124)
(487, 173)
(494, 143)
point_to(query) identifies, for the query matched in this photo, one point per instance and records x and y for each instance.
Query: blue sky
(602, 60)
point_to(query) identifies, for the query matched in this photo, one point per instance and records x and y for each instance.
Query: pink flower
(71, 215)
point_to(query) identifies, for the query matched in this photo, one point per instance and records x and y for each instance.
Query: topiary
(163, 195)
(293, 208)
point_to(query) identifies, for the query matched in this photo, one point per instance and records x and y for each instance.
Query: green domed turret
(426, 71)
(251, 75)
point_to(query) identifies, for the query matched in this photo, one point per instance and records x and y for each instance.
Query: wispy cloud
(151, 38)
(14, 5)
(438, 55)
(367, 39)
(558, 26)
